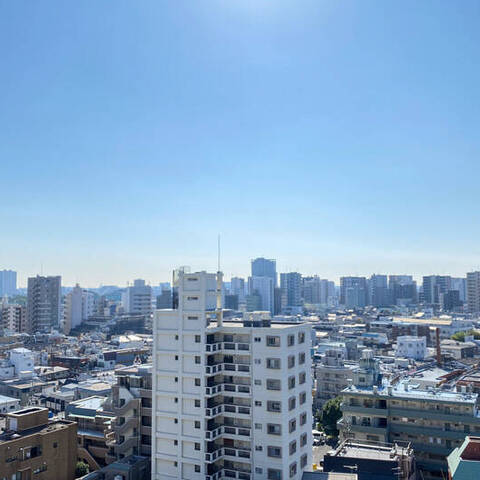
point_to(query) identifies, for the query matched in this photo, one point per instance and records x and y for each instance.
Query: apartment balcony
(242, 390)
(240, 432)
(364, 410)
(214, 390)
(214, 456)
(145, 393)
(233, 368)
(213, 347)
(364, 427)
(214, 432)
(120, 411)
(214, 411)
(427, 430)
(238, 474)
(236, 346)
(440, 415)
(233, 453)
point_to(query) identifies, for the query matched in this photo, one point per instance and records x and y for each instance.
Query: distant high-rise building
(138, 298)
(460, 284)
(473, 292)
(73, 309)
(402, 290)
(433, 286)
(44, 303)
(378, 291)
(291, 285)
(13, 317)
(231, 302)
(237, 287)
(263, 267)
(8, 282)
(353, 292)
(312, 290)
(164, 300)
(262, 286)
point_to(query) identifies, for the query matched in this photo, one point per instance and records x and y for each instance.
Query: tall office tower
(353, 292)
(291, 285)
(90, 301)
(230, 399)
(164, 300)
(433, 286)
(402, 289)
(460, 284)
(378, 291)
(237, 287)
(473, 292)
(13, 317)
(73, 309)
(44, 303)
(8, 282)
(138, 299)
(312, 290)
(262, 267)
(262, 286)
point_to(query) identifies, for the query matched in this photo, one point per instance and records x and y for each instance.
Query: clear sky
(339, 137)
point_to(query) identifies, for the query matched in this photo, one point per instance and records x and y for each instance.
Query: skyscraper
(262, 286)
(353, 292)
(230, 400)
(291, 285)
(403, 290)
(8, 282)
(138, 298)
(262, 267)
(433, 286)
(378, 291)
(473, 292)
(44, 303)
(73, 309)
(237, 287)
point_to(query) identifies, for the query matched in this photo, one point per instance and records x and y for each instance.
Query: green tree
(331, 413)
(460, 336)
(81, 469)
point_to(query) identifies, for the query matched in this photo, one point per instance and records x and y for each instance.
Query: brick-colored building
(32, 447)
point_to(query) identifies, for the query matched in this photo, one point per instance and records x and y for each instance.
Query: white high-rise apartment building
(473, 292)
(138, 298)
(230, 399)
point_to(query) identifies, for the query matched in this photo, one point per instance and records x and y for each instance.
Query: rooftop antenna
(219, 312)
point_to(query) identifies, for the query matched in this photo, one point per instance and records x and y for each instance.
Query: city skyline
(328, 135)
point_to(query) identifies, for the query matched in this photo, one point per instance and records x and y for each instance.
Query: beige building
(31, 447)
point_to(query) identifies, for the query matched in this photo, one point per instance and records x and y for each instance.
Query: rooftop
(55, 425)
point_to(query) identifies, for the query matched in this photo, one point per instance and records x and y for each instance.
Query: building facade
(44, 303)
(230, 399)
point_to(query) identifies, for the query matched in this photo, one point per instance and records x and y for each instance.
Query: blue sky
(337, 137)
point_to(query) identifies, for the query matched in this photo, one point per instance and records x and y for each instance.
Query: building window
(301, 378)
(175, 443)
(291, 382)
(197, 424)
(197, 382)
(197, 446)
(275, 452)
(274, 474)
(192, 317)
(292, 447)
(273, 363)
(293, 469)
(273, 341)
(274, 429)
(176, 357)
(197, 360)
(303, 397)
(176, 337)
(197, 403)
(301, 337)
(257, 361)
(258, 403)
(273, 406)
(273, 384)
(258, 382)
(197, 338)
(192, 298)
(291, 340)
(175, 420)
(258, 426)
(303, 418)
(258, 470)
(303, 439)
(258, 448)
(301, 358)
(303, 461)
(176, 400)
(291, 361)
(292, 403)
(176, 379)
(258, 339)
(292, 425)
(197, 468)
